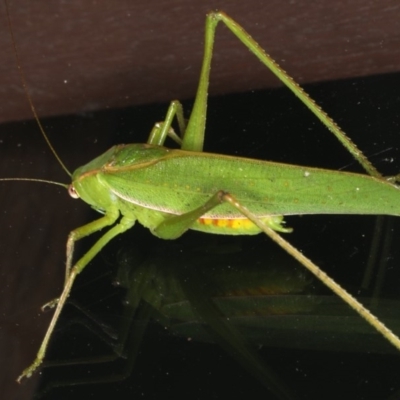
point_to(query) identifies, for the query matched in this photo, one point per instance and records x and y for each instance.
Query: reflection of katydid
(171, 191)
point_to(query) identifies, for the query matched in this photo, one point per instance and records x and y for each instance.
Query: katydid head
(87, 185)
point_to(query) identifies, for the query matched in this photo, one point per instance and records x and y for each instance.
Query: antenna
(25, 87)
(35, 180)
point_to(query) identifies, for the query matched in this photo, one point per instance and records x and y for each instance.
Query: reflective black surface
(269, 125)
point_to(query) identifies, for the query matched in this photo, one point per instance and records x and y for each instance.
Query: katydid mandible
(227, 195)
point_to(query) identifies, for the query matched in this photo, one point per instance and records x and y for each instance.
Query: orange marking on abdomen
(234, 223)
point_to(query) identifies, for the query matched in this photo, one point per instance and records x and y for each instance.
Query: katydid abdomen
(144, 175)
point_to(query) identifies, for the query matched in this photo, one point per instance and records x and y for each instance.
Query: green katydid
(150, 184)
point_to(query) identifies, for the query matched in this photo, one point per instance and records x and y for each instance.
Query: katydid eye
(72, 192)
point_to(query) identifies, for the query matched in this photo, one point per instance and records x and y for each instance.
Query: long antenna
(25, 87)
(35, 180)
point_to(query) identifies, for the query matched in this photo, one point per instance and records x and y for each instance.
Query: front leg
(72, 273)
(108, 219)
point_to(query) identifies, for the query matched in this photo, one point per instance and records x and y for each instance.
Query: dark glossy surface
(269, 125)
